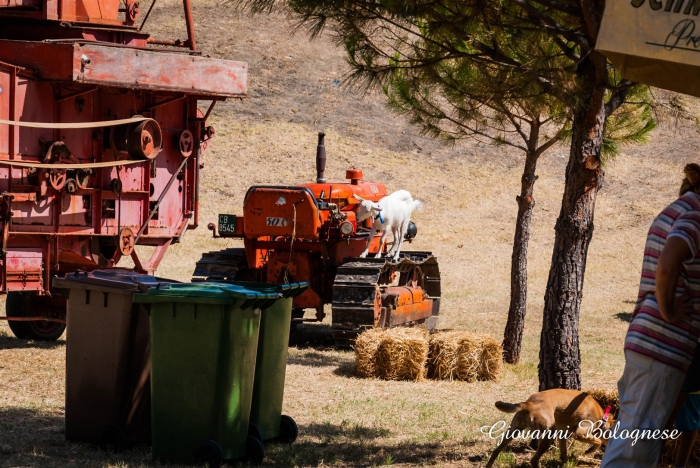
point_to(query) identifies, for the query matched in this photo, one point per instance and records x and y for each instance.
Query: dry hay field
(469, 193)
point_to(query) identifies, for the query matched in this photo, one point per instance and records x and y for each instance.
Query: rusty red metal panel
(127, 67)
(147, 69)
(23, 269)
(104, 12)
(94, 11)
(52, 61)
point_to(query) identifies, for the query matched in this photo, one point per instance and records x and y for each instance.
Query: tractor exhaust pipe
(320, 159)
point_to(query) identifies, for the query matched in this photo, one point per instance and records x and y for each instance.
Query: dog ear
(376, 207)
(359, 198)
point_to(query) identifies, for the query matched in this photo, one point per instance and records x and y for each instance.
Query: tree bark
(560, 359)
(513, 335)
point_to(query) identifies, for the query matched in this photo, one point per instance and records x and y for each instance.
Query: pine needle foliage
(484, 69)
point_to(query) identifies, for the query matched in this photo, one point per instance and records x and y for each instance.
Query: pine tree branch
(553, 24)
(555, 139)
(564, 8)
(568, 51)
(617, 99)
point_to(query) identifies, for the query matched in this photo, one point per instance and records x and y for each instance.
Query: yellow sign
(654, 42)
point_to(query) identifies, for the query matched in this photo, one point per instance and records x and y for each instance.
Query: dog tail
(417, 205)
(508, 407)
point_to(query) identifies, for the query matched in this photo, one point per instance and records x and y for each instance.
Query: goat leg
(369, 242)
(398, 243)
(381, 243)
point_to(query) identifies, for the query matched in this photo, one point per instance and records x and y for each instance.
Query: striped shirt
(648, 333)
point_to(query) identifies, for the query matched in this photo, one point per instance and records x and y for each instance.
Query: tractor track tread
(357, 283)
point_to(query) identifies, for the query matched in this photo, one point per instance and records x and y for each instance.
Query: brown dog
(557, 410)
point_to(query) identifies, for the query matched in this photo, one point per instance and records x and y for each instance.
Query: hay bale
(366, 346)
(392, 354)
(605, 398)
(461, 355)
(402, 354)
(491, 359)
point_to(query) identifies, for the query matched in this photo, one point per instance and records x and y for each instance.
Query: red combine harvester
(100, 144)
(310, 232)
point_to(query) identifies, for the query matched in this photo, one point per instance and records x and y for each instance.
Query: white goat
(392, 212)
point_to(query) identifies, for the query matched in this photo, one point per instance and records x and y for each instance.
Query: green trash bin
(271, 364)
(204, 340)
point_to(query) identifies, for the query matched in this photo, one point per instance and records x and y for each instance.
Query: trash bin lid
(282, 290)
(210, 293)
(116, 279)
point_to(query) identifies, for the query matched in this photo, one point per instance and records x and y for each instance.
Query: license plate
(227, 224)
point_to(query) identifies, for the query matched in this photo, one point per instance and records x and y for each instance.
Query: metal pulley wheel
(71, 186)
(132, 12)
(145, 140)
(186, 144)
(125, 241)
(82, 177)
(57, 178)
(116, 186)
(142, 140)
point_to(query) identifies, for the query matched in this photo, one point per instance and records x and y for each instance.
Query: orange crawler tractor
(309, 232)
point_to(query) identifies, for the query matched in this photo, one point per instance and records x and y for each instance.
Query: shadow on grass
(312, 336)
(10, 342)
(624, 316)
(344, 363)
(357, 445)
(35, 438)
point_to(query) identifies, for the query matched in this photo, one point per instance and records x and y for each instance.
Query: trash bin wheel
(254, 450)
(254, 431)
(209, 453)
(288, 430)
(112, 437)
(29, 304)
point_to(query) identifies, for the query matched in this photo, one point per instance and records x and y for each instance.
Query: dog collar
(379, 216)
(606, 414)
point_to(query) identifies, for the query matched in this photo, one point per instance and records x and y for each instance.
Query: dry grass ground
(469, 193)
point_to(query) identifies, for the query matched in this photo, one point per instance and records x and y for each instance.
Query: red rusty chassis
(53, 72)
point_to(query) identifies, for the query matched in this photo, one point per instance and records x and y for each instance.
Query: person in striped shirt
(664, 330)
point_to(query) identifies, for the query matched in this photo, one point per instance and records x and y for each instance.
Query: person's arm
(668, 269)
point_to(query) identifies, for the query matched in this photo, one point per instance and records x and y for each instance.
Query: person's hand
(682, 306)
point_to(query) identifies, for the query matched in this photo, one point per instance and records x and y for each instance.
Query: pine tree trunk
(513, 335)
(560, 359)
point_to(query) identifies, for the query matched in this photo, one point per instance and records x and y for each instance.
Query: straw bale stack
(393, 354)
(461, 355)
(412, 354)
(605, 398)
